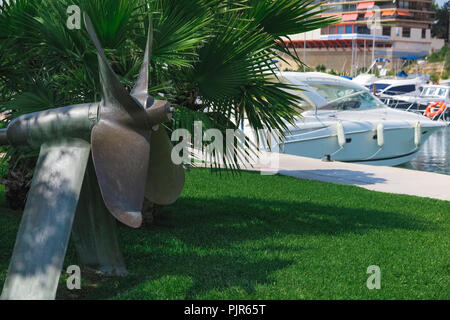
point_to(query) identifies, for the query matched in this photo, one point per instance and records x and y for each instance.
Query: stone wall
(339, 60)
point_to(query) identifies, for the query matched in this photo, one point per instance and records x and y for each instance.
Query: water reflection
(434, 155)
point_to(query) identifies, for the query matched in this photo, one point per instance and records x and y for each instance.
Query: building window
(403, 4)
(340, 29)
(406, 32)
(336, 8)
(332, 30)
(349, 7)
(363, 29)
(387, 31)
(424, 33)
(349, 28)
(324, 31)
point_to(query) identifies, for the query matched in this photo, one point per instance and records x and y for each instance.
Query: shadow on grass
(240, 219)
(9, 225)
(219, 244)
(349, 177)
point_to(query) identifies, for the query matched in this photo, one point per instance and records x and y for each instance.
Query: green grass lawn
(273, 237)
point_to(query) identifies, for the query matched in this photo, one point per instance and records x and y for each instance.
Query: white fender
(380, 134)
(417, 133)
(340, 134)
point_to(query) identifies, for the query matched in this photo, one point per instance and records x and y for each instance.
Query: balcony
(387, 13)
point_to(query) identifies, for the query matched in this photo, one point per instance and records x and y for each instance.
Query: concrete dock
(377, 178)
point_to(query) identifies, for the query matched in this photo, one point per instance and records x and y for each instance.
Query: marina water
(434, 155)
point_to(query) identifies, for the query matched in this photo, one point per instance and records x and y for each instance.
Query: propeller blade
(112, 89)
(140, 90)
(165, 180)
(120, 144)
(121, 158)
(125, 153)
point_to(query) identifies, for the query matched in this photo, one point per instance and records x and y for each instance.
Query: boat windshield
(332, 92)
(435, 92)
(357, 101)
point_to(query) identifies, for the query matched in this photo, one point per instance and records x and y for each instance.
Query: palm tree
(212, 59)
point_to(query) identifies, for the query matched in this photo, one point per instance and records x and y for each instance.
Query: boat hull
(398, 145)
(360, 147)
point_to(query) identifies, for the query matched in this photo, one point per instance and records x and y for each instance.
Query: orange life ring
(438, 107)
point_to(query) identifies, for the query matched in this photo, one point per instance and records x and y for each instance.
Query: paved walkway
(384, 179)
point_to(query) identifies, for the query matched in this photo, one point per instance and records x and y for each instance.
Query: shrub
(439, 56)
(321, 68)
(304, 69)
(390, 73)
(434, 77)
(333, 72)
(362, 70)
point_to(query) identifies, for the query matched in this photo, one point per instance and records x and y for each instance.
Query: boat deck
(377, 178)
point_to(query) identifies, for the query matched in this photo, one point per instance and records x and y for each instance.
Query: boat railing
(415, 107)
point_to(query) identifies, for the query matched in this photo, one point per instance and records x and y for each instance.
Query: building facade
(368, 30)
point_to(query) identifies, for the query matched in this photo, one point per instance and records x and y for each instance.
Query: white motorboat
(343, 121)
(419, 102)
(400, 84)
(392, 86)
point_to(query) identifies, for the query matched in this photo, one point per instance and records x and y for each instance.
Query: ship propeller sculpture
(73, 191)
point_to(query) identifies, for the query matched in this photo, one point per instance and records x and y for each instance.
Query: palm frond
(212, 59)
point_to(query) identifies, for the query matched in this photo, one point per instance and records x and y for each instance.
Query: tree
(441, 28)
(211, 59)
